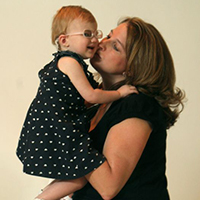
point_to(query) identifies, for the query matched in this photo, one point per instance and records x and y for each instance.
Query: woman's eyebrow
(118, 41)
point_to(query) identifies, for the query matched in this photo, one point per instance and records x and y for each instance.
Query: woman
(131, 132)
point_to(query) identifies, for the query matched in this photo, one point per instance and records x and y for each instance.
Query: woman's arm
(123, 147)
(72, 68)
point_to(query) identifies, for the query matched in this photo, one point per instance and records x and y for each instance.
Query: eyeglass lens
(88, 33)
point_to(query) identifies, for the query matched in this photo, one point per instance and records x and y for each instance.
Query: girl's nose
(94, 39)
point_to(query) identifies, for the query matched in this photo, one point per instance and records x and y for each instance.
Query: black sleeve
(138, 106)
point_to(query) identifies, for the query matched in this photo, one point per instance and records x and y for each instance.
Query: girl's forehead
(82, 25)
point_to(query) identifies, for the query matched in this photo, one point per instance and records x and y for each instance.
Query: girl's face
(86, 47)
(110, 58)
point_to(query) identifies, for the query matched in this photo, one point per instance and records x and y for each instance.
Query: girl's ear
(63, 41)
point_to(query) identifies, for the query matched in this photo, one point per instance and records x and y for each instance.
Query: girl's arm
(58, 189)
(123, 147)
(74, 71)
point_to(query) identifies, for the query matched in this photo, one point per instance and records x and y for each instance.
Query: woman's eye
(115, 47)
(114, 44)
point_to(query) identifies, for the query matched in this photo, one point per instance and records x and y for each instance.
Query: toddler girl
(54, 142)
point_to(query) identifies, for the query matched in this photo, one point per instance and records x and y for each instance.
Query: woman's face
(110, 58)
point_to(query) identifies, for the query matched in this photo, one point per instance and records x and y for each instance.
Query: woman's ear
(63, 41)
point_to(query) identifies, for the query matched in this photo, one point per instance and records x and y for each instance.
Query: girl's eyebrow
(118, 41)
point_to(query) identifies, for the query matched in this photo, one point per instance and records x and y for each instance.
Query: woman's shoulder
(137, 102)
(139, 106)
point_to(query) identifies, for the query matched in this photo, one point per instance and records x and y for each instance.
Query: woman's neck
(109, 81)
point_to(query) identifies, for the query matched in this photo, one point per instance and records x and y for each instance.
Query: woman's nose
(102, 44)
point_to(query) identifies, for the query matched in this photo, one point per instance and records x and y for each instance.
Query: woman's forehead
(120, 33)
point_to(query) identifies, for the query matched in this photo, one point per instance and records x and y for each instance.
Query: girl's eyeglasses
(89, 34)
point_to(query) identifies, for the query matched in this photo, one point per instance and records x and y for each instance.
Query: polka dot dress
(54, 142)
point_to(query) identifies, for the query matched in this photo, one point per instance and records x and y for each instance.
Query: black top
(54, 141)
(148, 180)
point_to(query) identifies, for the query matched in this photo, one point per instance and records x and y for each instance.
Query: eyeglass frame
(92, 34)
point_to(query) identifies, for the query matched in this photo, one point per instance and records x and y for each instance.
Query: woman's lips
(97, 55)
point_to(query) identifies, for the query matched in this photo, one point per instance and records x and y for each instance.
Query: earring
(124, 74)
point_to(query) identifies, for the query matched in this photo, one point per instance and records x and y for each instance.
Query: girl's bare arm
(74, 71)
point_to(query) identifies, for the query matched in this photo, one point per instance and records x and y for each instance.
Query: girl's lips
(90, 47)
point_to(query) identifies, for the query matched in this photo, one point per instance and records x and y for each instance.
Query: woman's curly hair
(150, 67)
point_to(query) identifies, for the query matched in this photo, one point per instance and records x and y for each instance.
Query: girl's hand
(125, 90)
